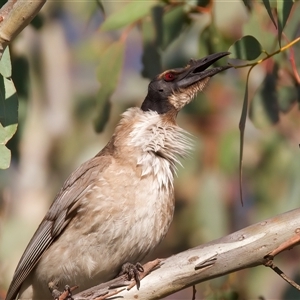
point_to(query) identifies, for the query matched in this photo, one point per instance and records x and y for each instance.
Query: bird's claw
(132, 272)
(58, 295)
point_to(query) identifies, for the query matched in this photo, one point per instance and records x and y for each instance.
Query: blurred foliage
(8, 109)
(107, 53)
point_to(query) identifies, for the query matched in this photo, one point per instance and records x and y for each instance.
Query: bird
(117, 206)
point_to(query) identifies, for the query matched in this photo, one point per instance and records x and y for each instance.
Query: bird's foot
(138, 272)
(58, 295)
(132, 272)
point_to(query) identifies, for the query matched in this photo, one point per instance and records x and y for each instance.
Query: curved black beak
(197, 70)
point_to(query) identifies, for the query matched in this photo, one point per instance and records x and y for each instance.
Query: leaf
(21, 76)
(8, 102)
(173, 23)
(8, 118)
(248, 4)
(264, 106)
(242, 126)
(212, 41)
(269, 10)
(284, 8)
(38, 21)
(127, 14)
(100, 6)
(287, 97)
(5, 157)
(5, 64)
(247, 48)
(297, 86)
(151, 57)
(109, 70)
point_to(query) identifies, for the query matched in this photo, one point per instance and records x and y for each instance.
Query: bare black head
(175, 88)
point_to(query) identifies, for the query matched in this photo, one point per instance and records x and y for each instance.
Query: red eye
(169, 76)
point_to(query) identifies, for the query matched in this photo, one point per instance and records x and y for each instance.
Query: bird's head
(173, 89)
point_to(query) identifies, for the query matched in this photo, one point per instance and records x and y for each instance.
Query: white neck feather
(160, 142)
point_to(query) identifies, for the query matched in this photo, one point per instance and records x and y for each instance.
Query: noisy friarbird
(116, 207)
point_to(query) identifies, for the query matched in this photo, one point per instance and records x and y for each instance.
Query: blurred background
(75, 75)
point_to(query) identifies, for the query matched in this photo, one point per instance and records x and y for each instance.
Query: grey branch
(249, 247)
(15, 15)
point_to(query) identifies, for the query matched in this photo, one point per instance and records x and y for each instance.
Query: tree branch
(246, 248)
(15, 15)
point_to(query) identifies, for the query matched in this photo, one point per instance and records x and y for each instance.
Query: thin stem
(268, 55)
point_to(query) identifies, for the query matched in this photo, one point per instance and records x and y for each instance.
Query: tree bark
(255, 245)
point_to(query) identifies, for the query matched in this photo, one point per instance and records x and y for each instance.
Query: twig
(268, 55)
(270, 264)
(194, 292)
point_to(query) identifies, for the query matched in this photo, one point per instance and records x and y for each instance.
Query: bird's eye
(169, 76)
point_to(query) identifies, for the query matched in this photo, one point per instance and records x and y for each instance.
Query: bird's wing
(57, 218)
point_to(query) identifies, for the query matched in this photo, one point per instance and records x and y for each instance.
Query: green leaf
(264, 106)
(269, 10)
(173, 23)
(8, 102)
(247, 48)
(287, 97)
(8, 118)
(5, 157)
(127, 14)
(100, 6)
(151, 57)
(297, 86)
(212, 41)
(248, 4)
(5, 64)
(284, 8)
(242, 126)
(109, 70)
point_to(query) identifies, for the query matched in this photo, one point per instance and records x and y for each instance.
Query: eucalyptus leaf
(242, 126)
(127, 14)
(264, 108)
(5, 157)
(5, 64)
(110, 66)
(152, 39)
(248, 4)
(173, 23)
(287, 97)
(246, 48)
(269, 10)
(8, 118)
(284, 8)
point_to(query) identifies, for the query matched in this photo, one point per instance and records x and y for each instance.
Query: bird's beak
(197, 70)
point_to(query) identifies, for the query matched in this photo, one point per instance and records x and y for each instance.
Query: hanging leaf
(287, 97)
(109, 70)
(5, 64)
(247, 48)
(173, 23)
(152, 39)
(242, 126)
(264, 106)
(284, 8)
(100, 6)
(127, 14)
(212, 41)
(297, 86)
(248, 4)
(5, 154)
(269, 10)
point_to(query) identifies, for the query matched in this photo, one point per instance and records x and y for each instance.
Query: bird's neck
(152, 141)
